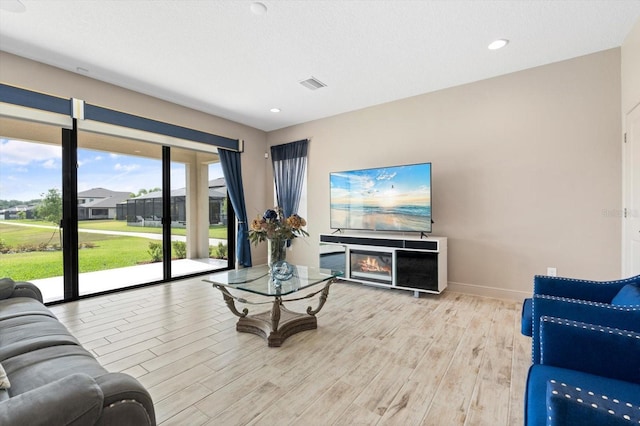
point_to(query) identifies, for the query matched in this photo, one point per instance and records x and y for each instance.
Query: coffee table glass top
(256, 279)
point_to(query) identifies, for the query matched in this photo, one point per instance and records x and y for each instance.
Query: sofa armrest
(27, 289)
(595, 349)
(570, 405)
(125, 400)
(10, 288)
(7, 285)
(526, 317)
(594, 291)
(72, 400)
(625, 318)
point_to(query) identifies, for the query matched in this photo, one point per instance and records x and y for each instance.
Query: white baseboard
(495, 292)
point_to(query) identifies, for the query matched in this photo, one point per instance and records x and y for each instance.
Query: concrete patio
(112, 279)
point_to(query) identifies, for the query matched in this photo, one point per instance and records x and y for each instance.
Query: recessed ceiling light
(258, 8)
(275, 110)
(498, 44)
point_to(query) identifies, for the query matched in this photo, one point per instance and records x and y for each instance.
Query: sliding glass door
(198, 232)
(94, 200)
(220, 223)
(31, 205)
(181, 219)
(119, 212)
(121, 217)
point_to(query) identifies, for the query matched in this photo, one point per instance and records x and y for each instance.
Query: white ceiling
(219, 57)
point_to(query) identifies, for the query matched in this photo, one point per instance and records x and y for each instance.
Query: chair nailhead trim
(593, 404)
(584, 326)
(592, 327)
(626, 308)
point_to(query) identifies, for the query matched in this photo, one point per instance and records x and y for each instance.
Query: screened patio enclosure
(146, 210)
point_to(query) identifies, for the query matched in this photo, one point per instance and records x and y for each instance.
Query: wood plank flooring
(378, 357)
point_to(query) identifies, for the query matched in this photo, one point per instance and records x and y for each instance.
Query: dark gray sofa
(52, 379)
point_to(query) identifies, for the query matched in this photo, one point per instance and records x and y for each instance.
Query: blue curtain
(289, 164)
(231, 167)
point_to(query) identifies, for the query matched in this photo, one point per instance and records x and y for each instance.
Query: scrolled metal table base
(278, 323)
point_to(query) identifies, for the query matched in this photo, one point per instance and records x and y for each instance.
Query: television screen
(394, 198)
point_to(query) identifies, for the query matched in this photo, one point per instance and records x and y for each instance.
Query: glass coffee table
(278, 323)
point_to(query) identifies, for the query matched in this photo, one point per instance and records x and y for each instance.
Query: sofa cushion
(19, 306)
(39, 367)
(22, 334)
(539, 375)
(6, 287)
(75, 400)
(629, 295)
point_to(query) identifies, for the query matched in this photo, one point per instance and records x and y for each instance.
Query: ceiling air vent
(313, 83)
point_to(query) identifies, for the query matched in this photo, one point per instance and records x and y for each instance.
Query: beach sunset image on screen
(394, 198)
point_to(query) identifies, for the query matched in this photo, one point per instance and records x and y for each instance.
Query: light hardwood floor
(378, 357)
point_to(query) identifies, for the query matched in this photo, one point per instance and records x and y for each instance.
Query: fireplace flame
(371, 264)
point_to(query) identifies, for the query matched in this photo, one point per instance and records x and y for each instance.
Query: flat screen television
(396, 198)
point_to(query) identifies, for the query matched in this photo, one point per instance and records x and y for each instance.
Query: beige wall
(36, 76)
(526, 166)
(630, 69)
(630, 88)
(526, 170)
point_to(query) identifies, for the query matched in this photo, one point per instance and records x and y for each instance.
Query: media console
(416, 264)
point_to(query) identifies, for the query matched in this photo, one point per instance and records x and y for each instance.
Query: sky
(402, 184)
(29, 169)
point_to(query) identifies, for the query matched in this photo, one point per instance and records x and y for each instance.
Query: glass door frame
(28, 105)
(115, 129)
(69, 225)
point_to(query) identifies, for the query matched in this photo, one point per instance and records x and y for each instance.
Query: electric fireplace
(405, 263)
(375, 266)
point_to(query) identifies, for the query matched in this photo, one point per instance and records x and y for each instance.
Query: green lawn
(215, 231)
(29, 266)
(114, 251)
(107, 252)
(15, 235)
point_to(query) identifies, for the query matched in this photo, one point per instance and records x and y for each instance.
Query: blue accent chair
(526, 323)
(625, 292)
(608, 315)
(586, 375)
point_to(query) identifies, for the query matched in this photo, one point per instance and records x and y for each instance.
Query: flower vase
(276, 251)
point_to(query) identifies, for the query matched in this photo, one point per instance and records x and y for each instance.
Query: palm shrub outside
(180, 249)
(219, 252)
(155, 250)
